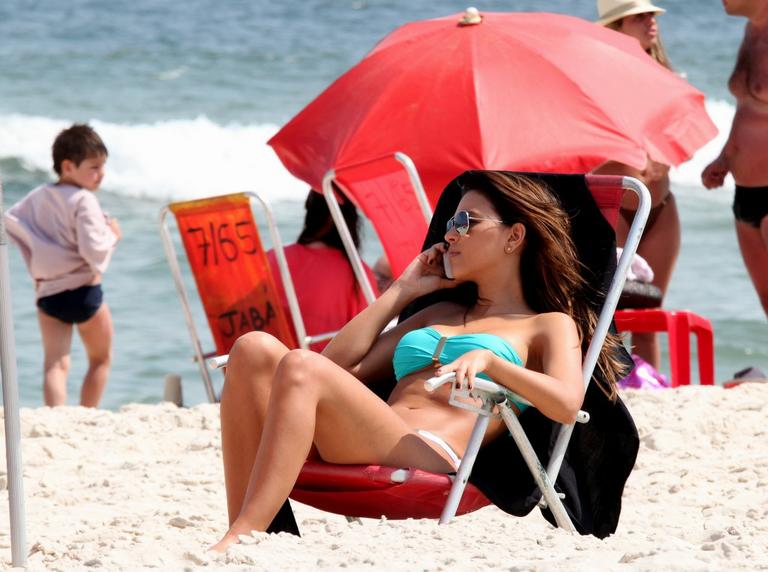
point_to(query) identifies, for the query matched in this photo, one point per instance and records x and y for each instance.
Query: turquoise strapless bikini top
(415, 349)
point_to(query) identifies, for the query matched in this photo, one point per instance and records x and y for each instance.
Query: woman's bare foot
(222, 545)
(232, 536)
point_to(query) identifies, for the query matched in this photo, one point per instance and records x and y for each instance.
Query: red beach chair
(375, 491)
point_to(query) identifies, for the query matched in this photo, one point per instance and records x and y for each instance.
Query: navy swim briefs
(73, 306)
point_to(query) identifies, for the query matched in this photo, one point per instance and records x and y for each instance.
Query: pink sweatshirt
(64, 237)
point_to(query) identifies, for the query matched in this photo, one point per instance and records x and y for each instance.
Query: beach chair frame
(493, 395)
(293, 303)
(329, 180)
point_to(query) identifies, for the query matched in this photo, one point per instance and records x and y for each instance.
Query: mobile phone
(447, 270)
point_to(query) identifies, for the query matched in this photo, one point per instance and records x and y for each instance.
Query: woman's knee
(299, 369)
(252, 363)
(257, 349)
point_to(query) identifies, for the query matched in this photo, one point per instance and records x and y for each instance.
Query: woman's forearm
(558, 399)
(356, 338)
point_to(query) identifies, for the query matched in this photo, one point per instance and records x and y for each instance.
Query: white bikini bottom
(442, 444)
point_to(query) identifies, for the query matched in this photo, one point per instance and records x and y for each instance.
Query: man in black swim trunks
(660, 243)
(745, 154)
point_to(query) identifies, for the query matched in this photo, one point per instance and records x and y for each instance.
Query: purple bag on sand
(644, 376)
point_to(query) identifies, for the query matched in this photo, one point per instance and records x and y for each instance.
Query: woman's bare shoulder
(552, 334)
(554, 322)
(534, 326)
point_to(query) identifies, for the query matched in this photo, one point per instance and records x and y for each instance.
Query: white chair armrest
(218, 361)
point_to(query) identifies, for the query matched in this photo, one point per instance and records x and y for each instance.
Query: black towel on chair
(284, 521)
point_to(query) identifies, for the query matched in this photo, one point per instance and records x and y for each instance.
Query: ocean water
(186, 94)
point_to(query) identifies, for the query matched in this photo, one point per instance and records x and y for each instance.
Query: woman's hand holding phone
(428, 272)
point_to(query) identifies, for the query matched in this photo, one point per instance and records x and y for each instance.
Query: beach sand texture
(143, 488)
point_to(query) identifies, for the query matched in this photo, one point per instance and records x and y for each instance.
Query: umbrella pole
(11, 406)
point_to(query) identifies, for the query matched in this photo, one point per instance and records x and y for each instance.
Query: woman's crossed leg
(277, 404)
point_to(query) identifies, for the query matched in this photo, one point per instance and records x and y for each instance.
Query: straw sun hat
(611, 10)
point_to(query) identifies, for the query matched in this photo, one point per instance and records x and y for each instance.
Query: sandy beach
(143, 488)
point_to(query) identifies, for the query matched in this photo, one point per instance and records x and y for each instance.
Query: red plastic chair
(679, 325)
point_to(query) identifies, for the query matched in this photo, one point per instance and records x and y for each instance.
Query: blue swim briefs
(73, 306)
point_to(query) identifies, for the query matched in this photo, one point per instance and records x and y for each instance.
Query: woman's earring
(508, 249)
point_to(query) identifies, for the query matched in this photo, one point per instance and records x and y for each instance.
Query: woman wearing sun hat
(660, 244)
(636, 18)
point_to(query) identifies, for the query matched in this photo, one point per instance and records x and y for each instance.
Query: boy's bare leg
(57, 342)
(96, 334)
(315, 401)
(252, 364)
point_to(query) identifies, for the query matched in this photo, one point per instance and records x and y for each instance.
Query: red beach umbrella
(516, 91)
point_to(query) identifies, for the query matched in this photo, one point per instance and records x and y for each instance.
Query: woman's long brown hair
(551, 273)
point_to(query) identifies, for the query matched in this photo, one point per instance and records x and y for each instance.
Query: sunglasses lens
(460, 221)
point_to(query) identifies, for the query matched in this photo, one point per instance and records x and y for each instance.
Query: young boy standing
(67, 241)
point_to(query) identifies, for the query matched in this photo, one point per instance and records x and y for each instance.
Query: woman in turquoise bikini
(524, 329)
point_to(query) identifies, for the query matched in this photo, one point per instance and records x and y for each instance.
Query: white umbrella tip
(470, 17)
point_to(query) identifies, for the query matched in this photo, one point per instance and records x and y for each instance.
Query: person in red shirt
(329, 295)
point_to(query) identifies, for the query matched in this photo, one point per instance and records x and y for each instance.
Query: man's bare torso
(747, 150)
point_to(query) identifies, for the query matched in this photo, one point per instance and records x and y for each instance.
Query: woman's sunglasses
(461, 221)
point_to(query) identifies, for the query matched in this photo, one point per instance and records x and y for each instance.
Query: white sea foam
(178, 159)
(189, 158)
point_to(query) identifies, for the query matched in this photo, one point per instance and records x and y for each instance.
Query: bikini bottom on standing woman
(629, 214)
